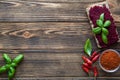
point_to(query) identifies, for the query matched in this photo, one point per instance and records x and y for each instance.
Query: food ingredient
(7, 58)
(93, 55)
(95, 58)
(87, 65)
(102, 28)
(88, 61)
(95, 71)
(108, 58)
(88, 47)
(85, 69)
(11, 73)
(10, 65)
(95, 13)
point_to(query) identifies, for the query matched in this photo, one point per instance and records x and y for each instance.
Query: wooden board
(51, 35)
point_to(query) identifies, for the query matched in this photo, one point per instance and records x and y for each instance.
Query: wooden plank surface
(48, 10)
(51, 34)
(46, 35)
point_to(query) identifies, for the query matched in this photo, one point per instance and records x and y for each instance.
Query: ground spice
(110, 60)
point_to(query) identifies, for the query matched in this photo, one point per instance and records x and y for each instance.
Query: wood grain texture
(52, 65)
(46, 35)
(48, 10)
(65, 78)
(43, 35)
(51, 35)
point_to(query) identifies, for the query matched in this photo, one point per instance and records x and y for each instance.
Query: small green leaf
(18, 59)
(105, 31)
(3, 69)
(99, 23)
(88, 47)
(107, 23)
(13, 64)
(104, 38)
(7, 66)
(11, 73)
(102, 17)
(7, 58)
(96, 30)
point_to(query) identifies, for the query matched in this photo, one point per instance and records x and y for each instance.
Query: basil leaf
(18, 59)
(11, 73)
(105, 31)
(102, 17)
(99, 22)
(96, 30)
(7, 58)
(88, 47)
(107, 23)
(104, 38)
(3, 69)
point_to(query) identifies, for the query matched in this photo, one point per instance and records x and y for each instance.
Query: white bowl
(109, 71)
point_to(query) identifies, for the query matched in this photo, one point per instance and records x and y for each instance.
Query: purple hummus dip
(94, 14)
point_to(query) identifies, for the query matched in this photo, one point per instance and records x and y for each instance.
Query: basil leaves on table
(7, 58)
(102, 28)
(10, 65)
(88, 47)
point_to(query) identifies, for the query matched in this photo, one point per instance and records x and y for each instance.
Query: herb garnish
(10, 65)
(102, 25)
(88, 47)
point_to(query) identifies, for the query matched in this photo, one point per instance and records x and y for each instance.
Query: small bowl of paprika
(109, 60)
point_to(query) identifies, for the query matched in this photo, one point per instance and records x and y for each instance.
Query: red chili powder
(110, 60)
(95, 13)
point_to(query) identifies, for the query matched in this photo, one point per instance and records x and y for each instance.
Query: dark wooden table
(51, 35)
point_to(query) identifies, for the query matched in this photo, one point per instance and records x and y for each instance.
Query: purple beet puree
(94, 14)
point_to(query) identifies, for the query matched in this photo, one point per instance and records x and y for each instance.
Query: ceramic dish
(111, 70)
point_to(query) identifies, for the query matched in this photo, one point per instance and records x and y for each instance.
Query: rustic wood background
(51, 35)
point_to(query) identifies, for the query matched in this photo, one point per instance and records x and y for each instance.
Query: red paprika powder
(110, 60)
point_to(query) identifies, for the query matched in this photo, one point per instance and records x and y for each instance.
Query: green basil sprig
(10, 65)
(88, 47)
(11, 73)
(102, 28)
(7, 58)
